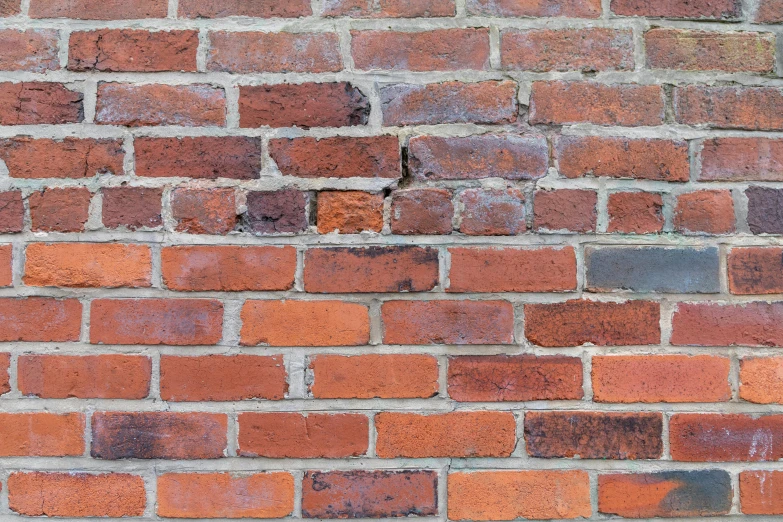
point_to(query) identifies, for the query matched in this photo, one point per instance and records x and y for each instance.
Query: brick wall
(450, 259)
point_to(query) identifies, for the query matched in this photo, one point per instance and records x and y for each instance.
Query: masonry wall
(446, 259)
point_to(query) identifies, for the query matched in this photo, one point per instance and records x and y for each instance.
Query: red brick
(434, 50)
(370, 376)
(389, 8)
(194, 105)
(76, 494)
(228, 268)
(510, 495)
(635, 212)
(448, 322)
(449, 102)
(67, 158)
(40, 319)
(251, 52)
(741, 159)
(536, 8)
(10, 8)
(38, 103)
(98, 9)
(761, 380)
(695, 10)
(132, 207)
(60, 209)
(206, 157)
(158, 435)
(492, 212)
(277, 212)
(204, 211)
(294, 435)
(761, 492)
(110, 376)
(751, 108)
(755, 270)
(217, 495)
(33, 50)
(716, 437)
(11, 212)
(689, 50)
(577, 322)
(318, 323)
(509, 156)
(369, 494)
(568, 210)
(630, 105)
(42, 434)
(512, 270)
(303, 105)
(222, 378)
(593, 434)
(371, 269)
(453, 434)
(421, 211)
(591, 49)
(6, 265)
(338, 157)
(82, 265)
(5, 377)
(769, 12)
(349, 212)
(661, 378)
(254, 8)
(496, 378)
(132, 50)
(723, 324)
(156, 321)
(705, 211)
(655, 159)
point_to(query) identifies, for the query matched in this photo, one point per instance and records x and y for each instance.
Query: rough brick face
(698, 10)
(68, 158)
(132, 50)
(202, 158)
(742, 159)
(635, 213)
(274, 52)
(762, 380)
(492, 212)
(349, 212)
(422, 211)
(725, 437)
(703, 50)
(42, 434)
(750, 108)
(132, 207)
(565, 210)
(340, 157)
(760, 492)
(37, 103)
(30, 50)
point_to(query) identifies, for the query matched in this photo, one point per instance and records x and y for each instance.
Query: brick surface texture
(453, 260)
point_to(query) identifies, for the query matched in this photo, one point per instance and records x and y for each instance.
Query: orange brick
(761, 492)
(41, 434)
(349, 212)
(40, 319)
(761, 380)
(6, 265)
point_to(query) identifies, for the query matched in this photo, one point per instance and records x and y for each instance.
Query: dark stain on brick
(281, 211)
(765, 210)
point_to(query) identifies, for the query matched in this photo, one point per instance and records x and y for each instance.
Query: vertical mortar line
(375, 120)
(667, 313)
(695, 148)
(587, 376)
(299, 273)
(95, 212)
(443, 491)
(232, 435)
(90, 100)
(317, 6)
(295, 365)
(155, 360)
(88, 413)
(666, 453)
(736, 504)
(85, 323)
(443, 376)
(232, 322)
(173, 8)
(232, 105)
(723, 274)
(376, 323)
(606, 10)
(129, 160)
(372, 435)
(157, 270)
(343, 31)
(602, 219)
(740, 201)
(150, 478)
(494, 47)
(669, 206)
(298, 488)
(520, 447)
(166, 214)
(519, 323)
(461, 8)
(593, 478)
(734, 374)
(639, 48)
(778, 53)
(444, 268)
(17, 263)
(202, 51)
(13, 376)
(581, 268)
(64, 36)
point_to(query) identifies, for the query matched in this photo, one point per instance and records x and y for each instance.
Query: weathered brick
(588, 50)
(110, 376)
(349, 212)
(156, 321)
(338, 157)
(724, 324)
(570, 210)
(495, 378)
(10, 8)
(512, 270)
(67, 158)
(761, 380)
(230, 495)
(421, 211)
(761, 492)
(98, 9)
(736, 107)
(661, 378)
(222, 378)
(577, 322)
(389, 8)
(318, 323)
(449, 102)
(132, 207)
(717, 437)
(493, 212)
(701, 493)
(769, 12)
(453, 434)
(755, 270)
(276, 212)
(295, 435)
(765, 210)
(194, 105)
(653, 269)
(42, 434)
(60, 209)
(371, 269)
(204, 211)
(690, 50)
(434, 50)
(252, 8)
(40, 319)
(705, 212)
(158, 435)
(254, 52)
(509, 156)
(447, 322)
(368, 376)
(11, 212)
(228, 268)
(510, 495)
(741, 159)
(630, 105)
(5, 377)
(728, 10)
(131, 50)
(6, 265)
(635, 212)
(33, 50)
(233, 157)
(76, 494)
(303, 105)
(537, 8)
(614, 157)
(593, 435)
(369, 494)
(81, 265)
(37, 103)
